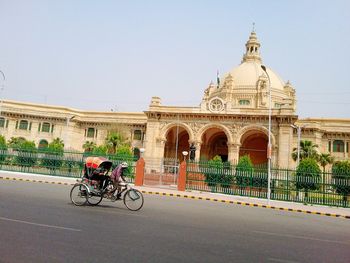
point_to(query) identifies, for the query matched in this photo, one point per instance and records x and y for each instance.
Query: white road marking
(281, 260)
(302, 237)
(37, 224)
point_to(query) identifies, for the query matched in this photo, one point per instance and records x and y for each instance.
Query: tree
(113, 141)
(89, 146)
(307, 150)
(3, 149)
(324, 159)
(3, 144)
(341, 178)
(27, 153)
(308, 175)
(100, 150)
(54, 153)
(213, 171)
(244, 171)
(16, 142)
(57, 144)
(124, 150)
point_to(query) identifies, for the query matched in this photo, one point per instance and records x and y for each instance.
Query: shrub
(27, 154)
(3, 149)
(54, 155)
(213, 171)
(244, 171)
(308, 175)
(341, 178)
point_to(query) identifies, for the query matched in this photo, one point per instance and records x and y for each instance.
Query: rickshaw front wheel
(133, 199)
(79, 194)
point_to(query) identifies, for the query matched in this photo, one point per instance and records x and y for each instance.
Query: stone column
(198, 151)
(282, 153)
(233, 152)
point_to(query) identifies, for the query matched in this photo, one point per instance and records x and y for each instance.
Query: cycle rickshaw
(95, 185)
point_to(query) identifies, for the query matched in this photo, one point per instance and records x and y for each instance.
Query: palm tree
(324, 159)
(307, 150)
(58, 142)
(113, 141)
(89, 146)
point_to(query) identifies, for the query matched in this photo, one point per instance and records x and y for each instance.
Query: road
(38, 223)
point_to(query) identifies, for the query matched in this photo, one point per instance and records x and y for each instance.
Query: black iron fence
(324, 189)
(68, 164)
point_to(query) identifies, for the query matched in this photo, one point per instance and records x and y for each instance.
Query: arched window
(137, 135)
(338, 146)
(2, 122)
(23, 125)
(43, 144)
(90, 133)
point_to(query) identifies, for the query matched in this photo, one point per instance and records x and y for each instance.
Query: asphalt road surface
(38, 223)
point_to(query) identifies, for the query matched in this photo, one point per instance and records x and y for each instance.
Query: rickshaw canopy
(93, 163)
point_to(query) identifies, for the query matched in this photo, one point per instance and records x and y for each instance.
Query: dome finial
(252, 48)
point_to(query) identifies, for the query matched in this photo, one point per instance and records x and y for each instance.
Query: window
(23, 125)
(244, 102)
(137, 135)
(2, 122)
(90, 133)
(46, 127)
(43, 144)
(329, 146)
(338, 146)
(278, 105)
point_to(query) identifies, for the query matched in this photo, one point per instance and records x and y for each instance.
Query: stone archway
(214, 142)
(177, 141)
(254, 143)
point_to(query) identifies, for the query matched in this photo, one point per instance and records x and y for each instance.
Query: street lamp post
(1, 90)
(269, 150)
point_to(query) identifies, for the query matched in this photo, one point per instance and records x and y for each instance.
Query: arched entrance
(214, 142)
(176, 142)
(254, 144)
(43, 144)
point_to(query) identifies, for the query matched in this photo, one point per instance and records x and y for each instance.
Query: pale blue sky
(103, 55)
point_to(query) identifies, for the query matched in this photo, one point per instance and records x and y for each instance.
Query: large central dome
(247, 86)
(248, 73)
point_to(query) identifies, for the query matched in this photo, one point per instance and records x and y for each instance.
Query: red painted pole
(181, 182)
(140, 172)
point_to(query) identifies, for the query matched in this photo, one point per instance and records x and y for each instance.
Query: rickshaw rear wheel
(79, 194)
(94, 199)
(133, 199)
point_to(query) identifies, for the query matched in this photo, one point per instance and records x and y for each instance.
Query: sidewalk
(215, 197)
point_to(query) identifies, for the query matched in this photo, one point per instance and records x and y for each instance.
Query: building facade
(231, 120)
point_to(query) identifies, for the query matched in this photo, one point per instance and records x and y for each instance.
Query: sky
(116, 55)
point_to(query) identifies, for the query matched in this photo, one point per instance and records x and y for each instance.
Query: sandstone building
(231, 120)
